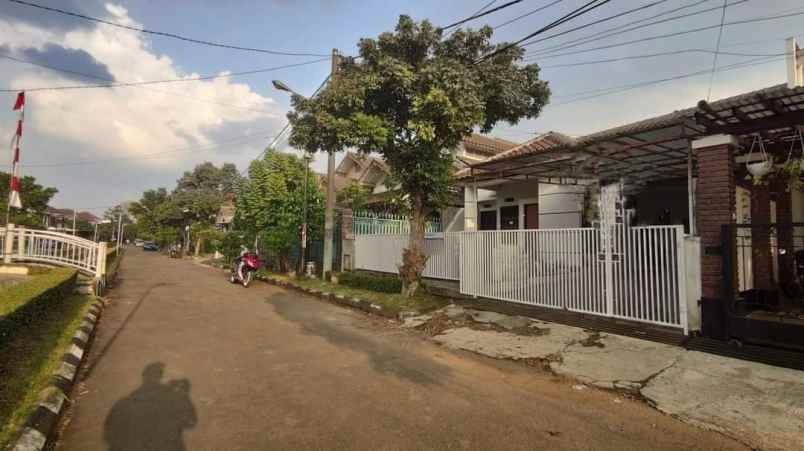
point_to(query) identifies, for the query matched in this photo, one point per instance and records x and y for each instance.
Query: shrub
(383, 283)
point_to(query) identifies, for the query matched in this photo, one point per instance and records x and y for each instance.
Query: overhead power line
(667, 35)
(587, 7)
(717, 49)
(148, 156)
(163, 33)
(173, 80)
(530, 13)
(481, 14)
(595, 93)
(622, 29)
(657, 54)
(599, 21)
(95, 77)
(487, 5)
(285, 128)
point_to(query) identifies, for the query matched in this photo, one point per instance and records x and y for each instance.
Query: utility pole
(303, 252)
(119, 228)
(73, 222)
(329, 215)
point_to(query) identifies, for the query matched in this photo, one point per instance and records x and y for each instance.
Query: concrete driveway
(184, 360)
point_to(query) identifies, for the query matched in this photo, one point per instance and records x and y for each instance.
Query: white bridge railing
(21, 244)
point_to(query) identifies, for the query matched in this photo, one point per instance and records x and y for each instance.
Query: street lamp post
(329, 213)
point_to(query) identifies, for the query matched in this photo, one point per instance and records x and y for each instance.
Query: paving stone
(759, 404)
(613, 361)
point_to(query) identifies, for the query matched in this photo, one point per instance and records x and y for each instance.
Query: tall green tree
(354, 195)
(412, 96)
(35, 199)
(270, 203)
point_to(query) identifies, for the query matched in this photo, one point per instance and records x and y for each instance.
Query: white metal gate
(639, 276)
(634, 273)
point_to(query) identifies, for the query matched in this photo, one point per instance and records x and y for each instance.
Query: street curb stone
(360, 304)
(41, 424)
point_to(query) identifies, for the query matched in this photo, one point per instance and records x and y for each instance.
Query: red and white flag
(14, 193)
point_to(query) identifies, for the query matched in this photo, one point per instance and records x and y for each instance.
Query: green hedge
(21, 302)
(369, 281)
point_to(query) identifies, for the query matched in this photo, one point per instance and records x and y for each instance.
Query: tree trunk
(414, 258)
(198, 242)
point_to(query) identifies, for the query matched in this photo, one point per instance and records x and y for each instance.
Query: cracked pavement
(760, 405)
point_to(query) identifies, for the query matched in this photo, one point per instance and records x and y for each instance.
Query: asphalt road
(184, 360)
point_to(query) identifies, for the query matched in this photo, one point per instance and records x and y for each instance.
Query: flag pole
(14, 185)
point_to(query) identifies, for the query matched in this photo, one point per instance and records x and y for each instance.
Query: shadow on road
(383, 357)
(152, 417)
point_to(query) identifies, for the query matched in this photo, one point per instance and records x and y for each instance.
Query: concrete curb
(42, 422)
(360, 304)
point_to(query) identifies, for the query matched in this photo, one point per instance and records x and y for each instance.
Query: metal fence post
(682, 278)
(21, 242)
(100, 265)
(9, 244)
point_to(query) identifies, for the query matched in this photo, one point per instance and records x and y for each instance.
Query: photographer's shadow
(152, 417)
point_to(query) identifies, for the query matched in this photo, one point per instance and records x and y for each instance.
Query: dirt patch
(441, 321)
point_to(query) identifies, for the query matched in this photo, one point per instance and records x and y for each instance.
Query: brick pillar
(714, 206)
(761, 258)
(784, 232)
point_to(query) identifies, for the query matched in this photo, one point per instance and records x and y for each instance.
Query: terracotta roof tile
(486, 145)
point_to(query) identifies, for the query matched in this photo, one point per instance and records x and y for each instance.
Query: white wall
(560, 206)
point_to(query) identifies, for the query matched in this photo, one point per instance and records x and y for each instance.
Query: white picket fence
(383, 253)
(639, 277)
(21, 244)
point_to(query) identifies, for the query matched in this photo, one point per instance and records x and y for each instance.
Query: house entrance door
(532, 216)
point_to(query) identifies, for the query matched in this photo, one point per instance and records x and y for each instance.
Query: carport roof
(651, 149)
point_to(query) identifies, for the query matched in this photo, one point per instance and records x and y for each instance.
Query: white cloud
(134, 121)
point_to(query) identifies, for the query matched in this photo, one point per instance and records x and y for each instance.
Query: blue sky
(123, 129)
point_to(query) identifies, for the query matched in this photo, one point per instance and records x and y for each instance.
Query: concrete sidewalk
(759, 405)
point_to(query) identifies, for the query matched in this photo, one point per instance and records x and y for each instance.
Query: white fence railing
(366, 225)
(384, 253)
(21, 244)
(641, 277)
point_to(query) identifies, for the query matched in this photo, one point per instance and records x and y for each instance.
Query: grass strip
(30, 356)
(421, 302)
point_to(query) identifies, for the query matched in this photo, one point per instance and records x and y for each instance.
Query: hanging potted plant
(758, 169)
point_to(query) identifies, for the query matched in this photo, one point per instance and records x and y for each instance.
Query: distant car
(150, 246)
(138, 242)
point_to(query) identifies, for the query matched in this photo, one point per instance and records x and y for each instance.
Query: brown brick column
(714, 206)
(761, 258)
(784, 231)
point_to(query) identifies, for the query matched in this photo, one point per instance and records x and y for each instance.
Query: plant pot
(759, 169)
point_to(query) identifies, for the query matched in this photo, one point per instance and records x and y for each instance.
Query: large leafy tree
(270, 203)
(35, 199)
(412, 96)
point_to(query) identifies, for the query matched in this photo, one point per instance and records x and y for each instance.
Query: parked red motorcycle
(244, 267)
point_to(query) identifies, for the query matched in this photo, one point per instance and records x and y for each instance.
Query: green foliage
(374, 282)
(412, 96)
(162, 215)
(35, 199)
(354, 196)
(31, 353)
(271, 202)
